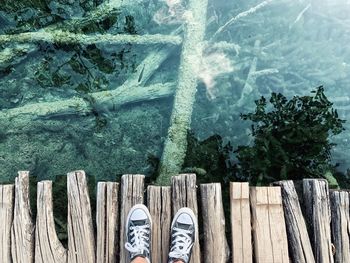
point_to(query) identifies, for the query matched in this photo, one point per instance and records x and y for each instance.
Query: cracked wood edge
(132, 191)
(159, 203)
(107, 213)
(47, 246)
(22, 231)
(6, 217)
(215, 244)
(184, 194)
(242, 251)
(81, 241)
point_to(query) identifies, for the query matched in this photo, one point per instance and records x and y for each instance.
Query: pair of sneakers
(138, 234)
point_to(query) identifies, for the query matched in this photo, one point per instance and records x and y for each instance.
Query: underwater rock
(66, 10)
(14, 54)
(6, 22)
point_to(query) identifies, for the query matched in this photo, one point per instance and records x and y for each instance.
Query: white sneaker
(183, 231)
(138, 232)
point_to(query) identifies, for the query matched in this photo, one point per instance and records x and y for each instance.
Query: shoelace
(139, 242)
(181, 245)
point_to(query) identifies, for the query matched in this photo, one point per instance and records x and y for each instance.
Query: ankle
(139, 260)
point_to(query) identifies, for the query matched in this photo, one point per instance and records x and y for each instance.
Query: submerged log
(17, 118)
(176, 142)
(241, 15)
(65, 37)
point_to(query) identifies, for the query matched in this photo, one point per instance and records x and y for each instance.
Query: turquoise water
(251, 48)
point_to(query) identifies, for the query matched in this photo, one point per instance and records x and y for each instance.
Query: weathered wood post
(107, 219)
(318, 218)
(22, 233)
(132, 191)
(340, 210)
(269, 229)
(47, 246)
(81, 239)
(184, 194)
(298, 238)
(241, 230)
(6, 217)
(176, 143)
(215, 244)
(159, 204)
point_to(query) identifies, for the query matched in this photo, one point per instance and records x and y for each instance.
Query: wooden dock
(267, 224)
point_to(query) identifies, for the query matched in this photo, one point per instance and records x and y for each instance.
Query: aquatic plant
(291, 138)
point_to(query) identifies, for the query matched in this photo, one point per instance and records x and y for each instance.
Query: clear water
(297, 45)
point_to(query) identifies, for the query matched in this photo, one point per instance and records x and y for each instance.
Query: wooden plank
(132, 191)
(22, 232)
(340, 210)
(318, 218)
(184, 194)
(159, 203)
(215, 244)
(277, 225)
(242, 251)
(269, 231)
(298, 238)
(6, 217)
(107, 217)
(47, 246)
(81, 240)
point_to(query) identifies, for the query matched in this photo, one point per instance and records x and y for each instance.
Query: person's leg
(183, 232)
(138, 234)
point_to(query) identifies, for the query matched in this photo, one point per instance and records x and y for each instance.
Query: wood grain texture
(215, 247)
(132, 191)
(6, 217)
(242, 251)
(298, 237)
(81, 240)
(107, 219)
(269, 230)
(340, 210)
(159, 203)
(318, 217)
(22, 232)
(47, 246)
(184, 194)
